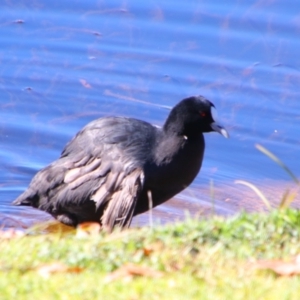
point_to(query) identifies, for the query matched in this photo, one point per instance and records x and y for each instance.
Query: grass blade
(278, 161)
(150, 202)
(287, 199)
(257, 191)
(212, 195)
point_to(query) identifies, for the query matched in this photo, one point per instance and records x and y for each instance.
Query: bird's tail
(27, 198)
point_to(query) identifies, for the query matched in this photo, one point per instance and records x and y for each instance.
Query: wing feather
(99, 175)
(75, 173)
(120, 208)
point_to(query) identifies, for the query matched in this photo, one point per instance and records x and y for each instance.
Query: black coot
(105, 173)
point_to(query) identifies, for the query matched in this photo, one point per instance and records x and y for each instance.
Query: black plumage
(106, 171)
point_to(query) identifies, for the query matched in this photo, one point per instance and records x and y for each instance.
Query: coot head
(192, 116)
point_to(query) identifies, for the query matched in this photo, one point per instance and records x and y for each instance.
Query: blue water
(63, 64)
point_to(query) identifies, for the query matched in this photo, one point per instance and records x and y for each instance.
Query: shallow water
(64, 65)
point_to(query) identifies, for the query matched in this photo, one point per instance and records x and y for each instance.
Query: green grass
(207, 259)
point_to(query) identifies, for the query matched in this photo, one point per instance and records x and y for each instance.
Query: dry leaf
(57, 267)
(280, 267)
(87, 229)
(129, 271)
(248, 71)
(147, 251)
(10, 234)
(158, 14)
(19, 21)
(97, 33)
(85, 83)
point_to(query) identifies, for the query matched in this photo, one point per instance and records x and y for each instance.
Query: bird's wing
(122, 201)
(113, 189)
(99, 173)
(109, 167)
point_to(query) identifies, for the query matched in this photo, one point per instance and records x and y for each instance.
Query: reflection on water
(62, 66)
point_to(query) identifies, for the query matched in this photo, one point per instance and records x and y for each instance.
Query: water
(64, 64)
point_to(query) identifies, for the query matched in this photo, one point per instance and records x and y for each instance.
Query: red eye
(202, 114)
